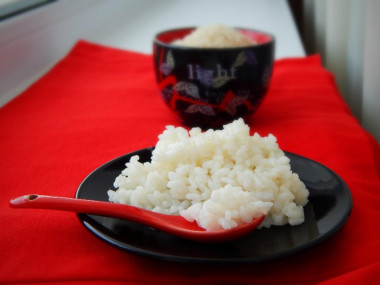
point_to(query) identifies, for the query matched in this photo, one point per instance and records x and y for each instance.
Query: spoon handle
(80, 206)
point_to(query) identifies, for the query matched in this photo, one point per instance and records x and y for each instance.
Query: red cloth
(99, 103)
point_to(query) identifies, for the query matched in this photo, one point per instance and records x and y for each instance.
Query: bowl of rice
(210, 76)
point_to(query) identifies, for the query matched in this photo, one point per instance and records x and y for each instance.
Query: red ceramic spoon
(175, 225)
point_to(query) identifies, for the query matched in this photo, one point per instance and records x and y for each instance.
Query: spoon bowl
(175, 225)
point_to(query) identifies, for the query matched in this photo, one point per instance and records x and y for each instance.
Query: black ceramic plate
(328, 209)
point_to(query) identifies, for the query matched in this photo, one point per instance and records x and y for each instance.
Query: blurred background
(36, 34)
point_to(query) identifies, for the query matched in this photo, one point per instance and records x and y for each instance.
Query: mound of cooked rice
(219, 178)
(215, 36)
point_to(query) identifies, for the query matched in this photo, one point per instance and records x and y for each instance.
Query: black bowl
(210, 87)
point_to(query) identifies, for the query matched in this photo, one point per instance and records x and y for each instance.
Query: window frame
(13, 8)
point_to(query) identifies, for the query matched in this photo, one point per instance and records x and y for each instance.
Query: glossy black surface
(329, 207)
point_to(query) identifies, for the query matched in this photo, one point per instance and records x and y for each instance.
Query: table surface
(53, 30)
(137, 31)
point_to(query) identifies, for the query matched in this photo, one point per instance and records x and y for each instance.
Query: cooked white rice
(219, 178)
(215, 36)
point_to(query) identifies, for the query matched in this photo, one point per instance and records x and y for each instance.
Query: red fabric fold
(99, 103)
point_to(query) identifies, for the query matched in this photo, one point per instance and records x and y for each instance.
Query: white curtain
(346, 35)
